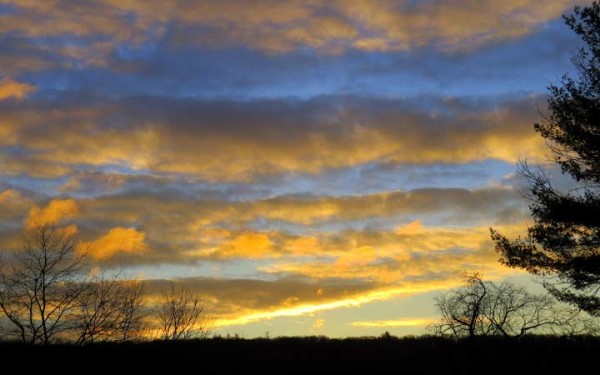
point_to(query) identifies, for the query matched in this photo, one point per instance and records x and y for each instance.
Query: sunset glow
(309, 167)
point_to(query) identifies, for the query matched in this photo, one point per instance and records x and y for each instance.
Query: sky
(309, 167)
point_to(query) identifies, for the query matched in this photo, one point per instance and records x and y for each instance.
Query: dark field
(421, 355)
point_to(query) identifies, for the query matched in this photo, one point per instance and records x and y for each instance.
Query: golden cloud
(403, 322)
(409, 264)
(329, 26)
(387, 204)
(56, 211)
(356, 257)
(193, 228)
(247, 245)
(388, 257)
(10, 89)
(117, 240)
(240, 302)
(302, 245)
(234, 141)
(68, 231)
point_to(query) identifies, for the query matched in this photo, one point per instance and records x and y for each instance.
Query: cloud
(117, 240)
(411, 229)
(389, 258)
(234, 302)
(279, 26)
(287, 234)
(10, 89)
(22, 54)
(55, 212)
(182, 225)
(246, 245)
(313, 210)
(12, 203)
(403, 322)
(300, 308)
(220, 141)
(304, 292)
(356, 257)
(9, 196)
(231, 298)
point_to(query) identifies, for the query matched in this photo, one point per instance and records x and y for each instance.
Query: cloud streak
(280, 26)
(10, 89)
(284, 298)
(240, 141)
(404, 322)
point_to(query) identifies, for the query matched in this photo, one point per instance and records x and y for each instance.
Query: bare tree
(131, 324)
(98, 310)
(181, 314)
(512, 311)
(110, 309)
(463, 311)
(39, 289)
(483, 308)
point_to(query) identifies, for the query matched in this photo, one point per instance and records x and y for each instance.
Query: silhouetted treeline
(387, 354)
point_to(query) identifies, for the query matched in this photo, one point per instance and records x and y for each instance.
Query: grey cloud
(227, 296)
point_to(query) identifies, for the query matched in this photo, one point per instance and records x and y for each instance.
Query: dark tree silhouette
(463, 310)
(181, 315)
(109, 309)
(40, 289)
(484, 308)
(563, 243)
(131, 323)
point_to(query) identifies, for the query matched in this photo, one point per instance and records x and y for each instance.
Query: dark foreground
(424, 355)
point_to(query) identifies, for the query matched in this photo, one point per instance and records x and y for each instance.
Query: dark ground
(311, 355)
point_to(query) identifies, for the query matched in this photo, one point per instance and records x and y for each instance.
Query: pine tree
(563, 244)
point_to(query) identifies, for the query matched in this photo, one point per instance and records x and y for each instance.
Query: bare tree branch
(483, 308)
(39, 291)
(181, 314)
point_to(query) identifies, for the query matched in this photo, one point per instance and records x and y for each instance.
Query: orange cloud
(302, 245)
(356, 257)
(217, 229)
(247, 245)
(56, 211)
(412, 228)
(393, 257)
(10, 89)
(68, 231)
(117, 240)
